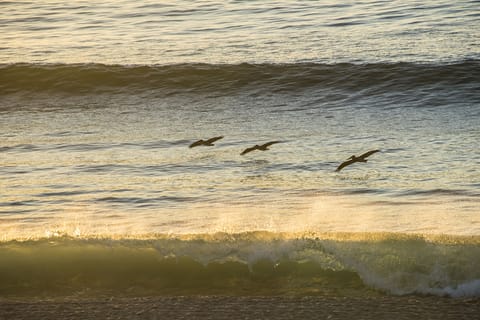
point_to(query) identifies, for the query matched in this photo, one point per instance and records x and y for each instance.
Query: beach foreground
(244, 307)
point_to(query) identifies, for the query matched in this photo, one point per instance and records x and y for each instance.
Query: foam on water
(246, 263)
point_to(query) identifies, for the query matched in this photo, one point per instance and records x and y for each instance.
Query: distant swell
(184, 78)
(249, 263)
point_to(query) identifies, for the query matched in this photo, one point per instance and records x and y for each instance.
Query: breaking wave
(245, 263)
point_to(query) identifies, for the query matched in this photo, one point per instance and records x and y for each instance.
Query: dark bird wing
(249, 150)
(369, 153)
(196, 143)
(212, 140)
(268, 144)
(344, 164)
(205, 142)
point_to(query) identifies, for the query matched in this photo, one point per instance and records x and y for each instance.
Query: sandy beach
(245, 307)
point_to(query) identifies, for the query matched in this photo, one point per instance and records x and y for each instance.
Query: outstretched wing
(196, 143)
(212, 140)
(344, 164)
(369, 153)
(268, 144)
(249, 150)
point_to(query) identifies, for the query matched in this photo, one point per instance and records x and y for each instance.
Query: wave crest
(247, 263)
(257, 78)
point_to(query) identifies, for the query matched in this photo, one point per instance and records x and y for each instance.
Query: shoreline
(242, 307)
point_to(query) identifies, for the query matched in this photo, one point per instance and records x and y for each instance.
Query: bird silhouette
(208, 142)
(262, 147)
(353, 159)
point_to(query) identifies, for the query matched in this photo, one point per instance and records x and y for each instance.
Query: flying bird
(262, 147)
(354, 159)
(202, 142)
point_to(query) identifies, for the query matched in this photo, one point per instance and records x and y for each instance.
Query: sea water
(100, 101)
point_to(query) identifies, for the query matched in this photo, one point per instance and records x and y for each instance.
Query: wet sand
(224, 307)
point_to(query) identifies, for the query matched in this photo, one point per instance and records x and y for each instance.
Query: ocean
(100, 192)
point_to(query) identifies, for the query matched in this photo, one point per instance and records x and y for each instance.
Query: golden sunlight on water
(146, 32)
(98, 149)
(310, 214)
(102, 193)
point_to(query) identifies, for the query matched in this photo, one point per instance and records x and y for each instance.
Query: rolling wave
(245, 263)
(198, 78)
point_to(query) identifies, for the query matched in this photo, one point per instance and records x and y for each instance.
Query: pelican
(262, 147)
(354, 159)
(202, 142)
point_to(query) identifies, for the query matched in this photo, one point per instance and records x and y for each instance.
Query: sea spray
(246, 263)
